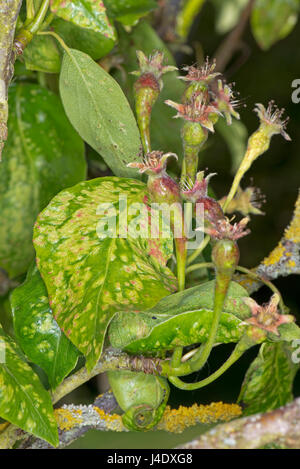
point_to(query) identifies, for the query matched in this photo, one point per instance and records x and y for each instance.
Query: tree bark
(9, 10)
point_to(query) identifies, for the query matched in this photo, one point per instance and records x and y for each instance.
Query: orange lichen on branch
(290, 238)
(177, 420)
(275, 255)
(113, 421)
(285, 257)
(67, 419)
(283, 260)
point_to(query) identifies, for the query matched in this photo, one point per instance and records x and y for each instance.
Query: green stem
(30, 12)
(176, 357)
(201, 265)
(180, 246)
(223, 280)
(37, 22)
(266, 282)
(199, 250)
(47, 21)
(57, 37)
(238, 351)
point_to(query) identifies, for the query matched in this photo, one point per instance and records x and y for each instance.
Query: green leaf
(128, 11)
(23, 400)
(272, 20)
(37, 332)
(42, 55)
(99, 111)
(165, 131)
(6, 319)
(228, 14)
(94, 44)
(43, 154)
(269, 380)
(84, 13)
(179, 320)
(202, 296)
(89, 276)
(235, 136)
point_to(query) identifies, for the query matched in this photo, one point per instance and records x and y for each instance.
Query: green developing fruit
(142, 397)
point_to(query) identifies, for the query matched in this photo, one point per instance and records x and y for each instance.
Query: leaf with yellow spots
(23, 400)
(37, 332)
(43, 155)
(91, 266)
(268, 383)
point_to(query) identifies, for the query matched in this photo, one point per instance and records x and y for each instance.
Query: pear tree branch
(283, 260)
(280, 427)
(9, 11)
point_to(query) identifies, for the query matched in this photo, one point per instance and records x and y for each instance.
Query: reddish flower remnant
(267, 316)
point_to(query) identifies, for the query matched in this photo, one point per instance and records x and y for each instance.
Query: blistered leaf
(99, 111)
(181, 319)
(42, 54)
(268, 383)
(37, 332)
(128, 11)
(23, 400)
(272, 20)
(89, 14)
(43, 154)
(94, 44)
(90, 272)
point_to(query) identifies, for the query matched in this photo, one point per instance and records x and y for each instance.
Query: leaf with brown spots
(89, 278)
(23, 400)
